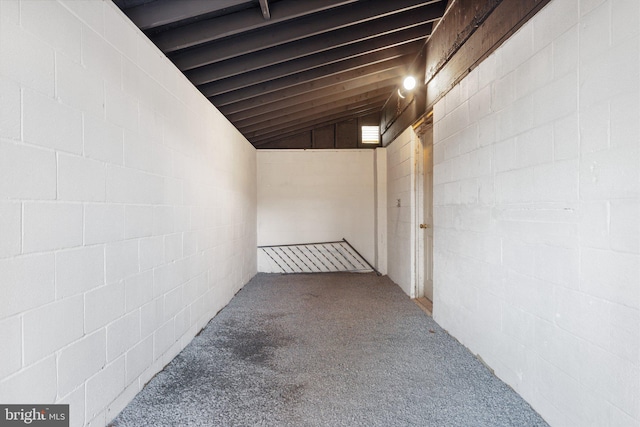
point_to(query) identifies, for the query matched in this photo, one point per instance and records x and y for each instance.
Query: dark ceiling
(278, 68)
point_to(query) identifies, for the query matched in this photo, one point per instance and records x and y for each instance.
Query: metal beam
(236, 23)
(298, 50)
(349, 18)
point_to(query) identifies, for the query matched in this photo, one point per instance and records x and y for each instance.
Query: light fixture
(409, 83)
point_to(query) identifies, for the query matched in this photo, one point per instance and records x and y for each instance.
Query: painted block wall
(381, 179)
(127, 208)
(400, 219)
(537, 212)
(309, 196)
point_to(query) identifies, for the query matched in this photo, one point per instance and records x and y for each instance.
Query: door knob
(425, 225)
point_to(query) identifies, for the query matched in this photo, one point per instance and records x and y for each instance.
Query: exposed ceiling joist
(163, 12)
(320, 55)
(307, 81)
(318, 107)
(278, 67)
(228, 25)
(284, 75)
(292, 122)
(260, 138)
(325, 28)
(240, 111)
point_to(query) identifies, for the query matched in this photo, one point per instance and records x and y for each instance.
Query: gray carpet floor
(325, 350)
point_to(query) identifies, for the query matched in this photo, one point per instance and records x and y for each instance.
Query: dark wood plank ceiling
(278, 68)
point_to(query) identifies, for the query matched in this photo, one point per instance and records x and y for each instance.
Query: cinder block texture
(51, 225)
(52, 327)
(27, 282)
(10, 117)
(26, 59)
(400, 205)
(113, 170)
(26, 172)
(80, 179)
(540, 274)
(51, 124)
(80, 361)
(10, 229)
(11, 335)
(79, 270)
(312, 196)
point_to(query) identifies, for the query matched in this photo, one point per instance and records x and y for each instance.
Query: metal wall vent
(324, 257)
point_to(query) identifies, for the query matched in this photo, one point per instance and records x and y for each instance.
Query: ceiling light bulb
(409, 82)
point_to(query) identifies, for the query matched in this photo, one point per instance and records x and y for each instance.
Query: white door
(427, 159)
(424, 211)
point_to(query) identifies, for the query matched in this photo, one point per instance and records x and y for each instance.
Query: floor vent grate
(325, 257)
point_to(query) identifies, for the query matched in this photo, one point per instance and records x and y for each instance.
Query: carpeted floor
(325, 350)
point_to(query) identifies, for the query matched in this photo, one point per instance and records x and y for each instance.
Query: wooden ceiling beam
(328, 28)
(162, 12)
(298, 63)
(469, 32)
(282, 76)
(217, 28)
(315, 107)
(281, 67)
(309, 80)
(328, 110)
(278, 134)
(307, 47)
(372, 82)
(475, 36)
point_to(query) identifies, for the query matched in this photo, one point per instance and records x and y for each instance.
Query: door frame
(420, 128)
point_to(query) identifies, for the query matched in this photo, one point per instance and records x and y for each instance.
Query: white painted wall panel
(537, 188)
(127, 203)
(401, 219)
(309, 196)
(381, 209)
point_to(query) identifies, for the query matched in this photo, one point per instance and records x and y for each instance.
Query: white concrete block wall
(127, 208)
(537, 212)
(401, 219)
(308, 196)
(381, 209)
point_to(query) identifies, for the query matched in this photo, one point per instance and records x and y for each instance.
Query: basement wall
(401, 215)
(310, 196)
(127, 208)
(537, 212)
